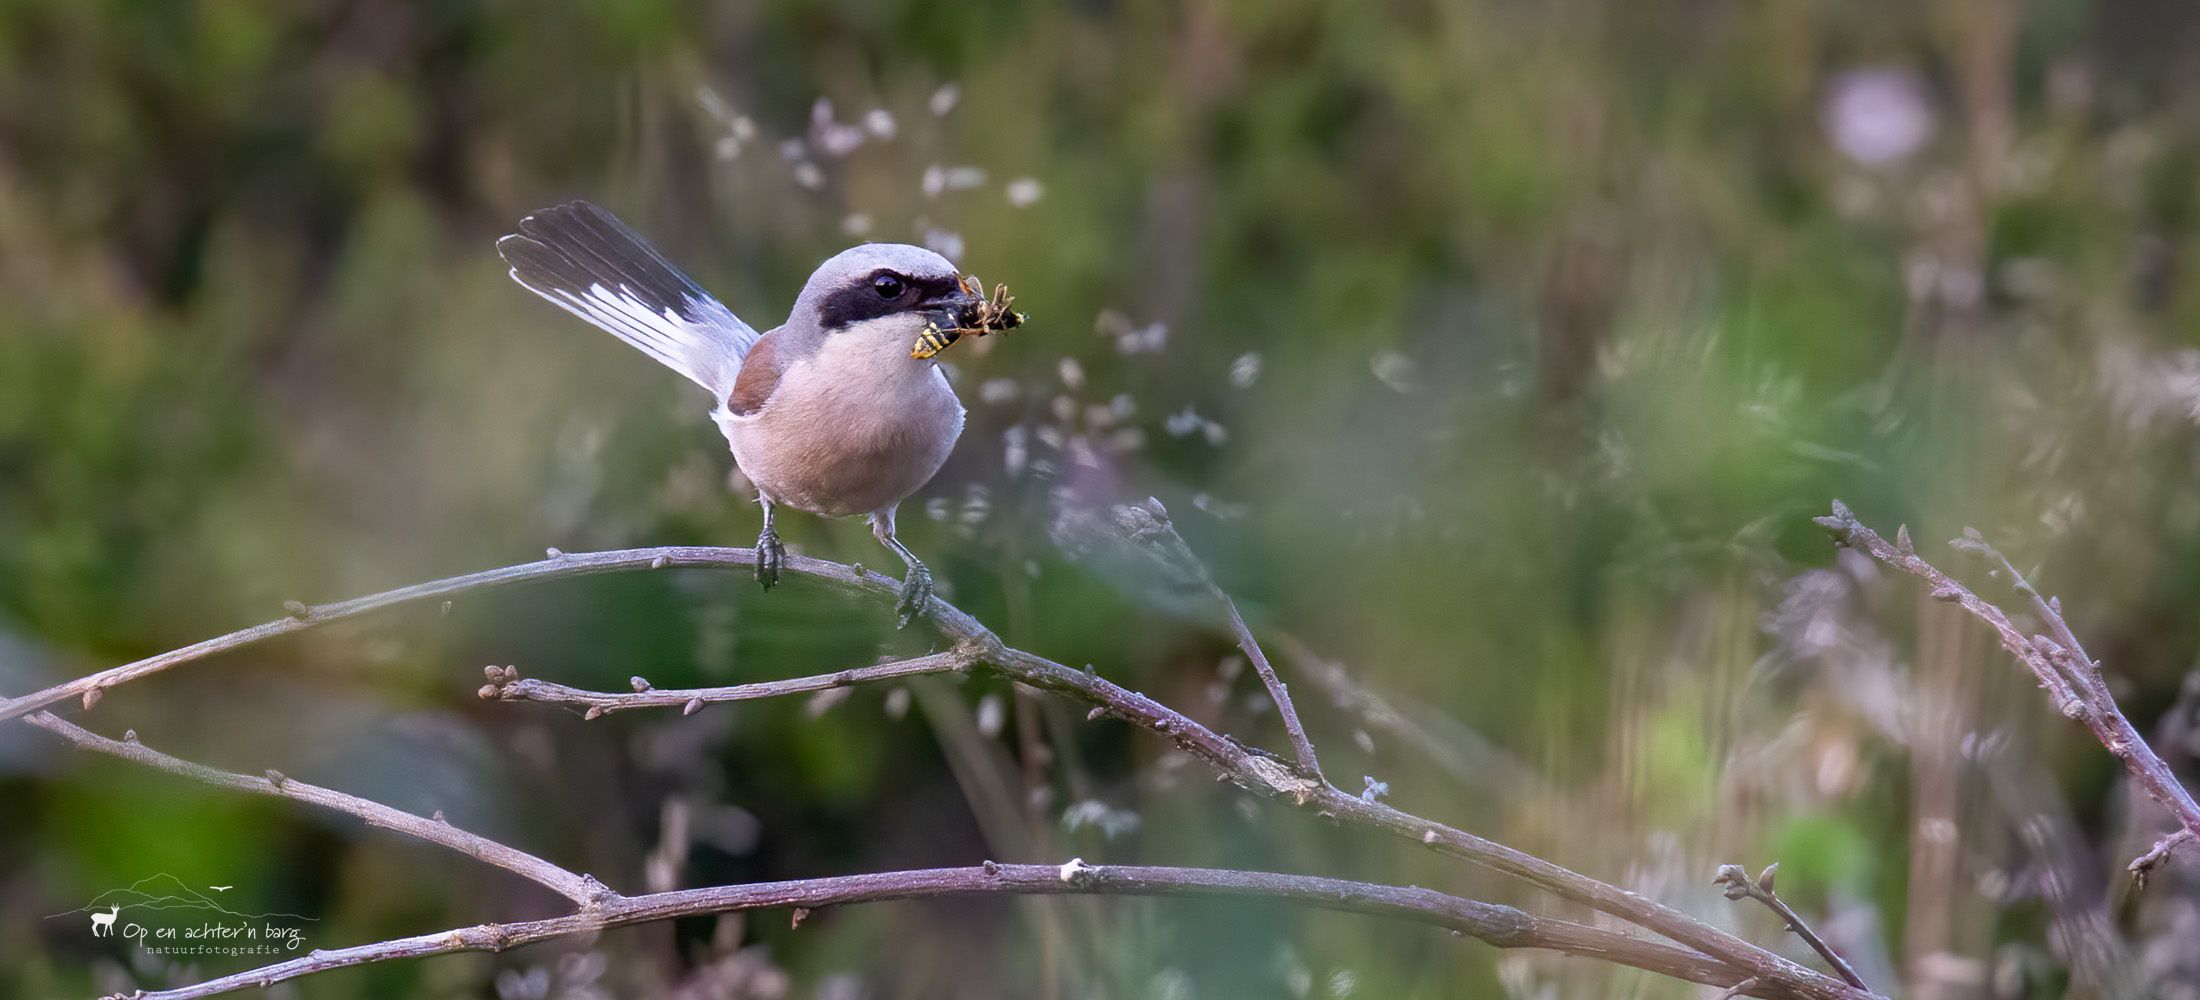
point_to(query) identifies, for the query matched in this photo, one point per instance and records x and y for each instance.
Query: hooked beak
(956, 309)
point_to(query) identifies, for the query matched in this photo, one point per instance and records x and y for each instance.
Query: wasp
(996, 313)
(933, 340)
(989, 315)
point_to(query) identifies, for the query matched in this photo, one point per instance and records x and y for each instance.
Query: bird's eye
(887, 286)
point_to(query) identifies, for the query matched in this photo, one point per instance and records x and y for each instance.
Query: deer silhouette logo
(162, 892)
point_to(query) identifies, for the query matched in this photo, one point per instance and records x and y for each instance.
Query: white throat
(875, 352)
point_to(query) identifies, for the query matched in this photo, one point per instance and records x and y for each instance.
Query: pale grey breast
(851, 426)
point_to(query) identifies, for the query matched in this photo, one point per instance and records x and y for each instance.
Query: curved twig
(2071, 678)
(579, 888)
(598, 906)
(1740, 886)
(1302, 748)
(506, 685)
(559, 566)
(1260, 773)
(2144, 865)
(1501, 926)
(1464, 755)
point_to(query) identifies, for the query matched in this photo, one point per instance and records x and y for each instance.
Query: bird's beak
(959, 308)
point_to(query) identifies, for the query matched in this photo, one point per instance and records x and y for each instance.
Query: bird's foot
(771, 557)
(916, 590)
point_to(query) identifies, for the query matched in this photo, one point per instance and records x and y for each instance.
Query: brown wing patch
(759, 376)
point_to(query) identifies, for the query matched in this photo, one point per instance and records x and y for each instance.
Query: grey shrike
(829, 412)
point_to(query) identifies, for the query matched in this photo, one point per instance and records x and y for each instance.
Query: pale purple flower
(881, 123)
(1877, 116)
(830, 136)
(938, 178)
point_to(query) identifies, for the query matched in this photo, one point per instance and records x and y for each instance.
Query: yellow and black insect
(933, 340)
(996, 313)
(990, 315)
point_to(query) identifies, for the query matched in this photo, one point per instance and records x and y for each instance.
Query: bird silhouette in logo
(221, 888)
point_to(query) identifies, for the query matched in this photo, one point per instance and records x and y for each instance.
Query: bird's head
(887, 290)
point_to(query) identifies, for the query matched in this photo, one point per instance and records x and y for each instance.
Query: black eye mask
(860, 299)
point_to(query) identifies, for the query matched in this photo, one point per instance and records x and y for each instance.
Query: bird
(828, 412)
(221, 888)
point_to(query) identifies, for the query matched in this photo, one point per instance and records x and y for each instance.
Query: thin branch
(580, 889)
(600, 907)
(1466, 756)
(980, 647)
(2080, 670)
(1738, 885)
(2071, 678)
(1261, 773)
(505, 684)
(1138, 542)
(561, 566)
(1302, 749)
(1501, 926)
(2145, 864)
(1169, 559)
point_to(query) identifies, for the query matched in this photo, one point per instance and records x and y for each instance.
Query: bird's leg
(771, 556)
(916, 588)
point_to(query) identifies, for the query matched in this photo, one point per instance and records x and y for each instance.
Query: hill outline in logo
(173, 895)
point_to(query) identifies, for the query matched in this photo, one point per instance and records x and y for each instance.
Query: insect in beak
(980, 316)
(934, 340)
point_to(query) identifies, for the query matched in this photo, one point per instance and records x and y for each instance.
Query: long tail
(587, 262)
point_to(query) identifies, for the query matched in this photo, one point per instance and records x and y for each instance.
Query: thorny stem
(2071, 678)
(979, 647)
(1739, 885)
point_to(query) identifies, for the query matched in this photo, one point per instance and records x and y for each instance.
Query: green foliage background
(1515, 343)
